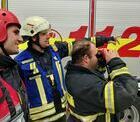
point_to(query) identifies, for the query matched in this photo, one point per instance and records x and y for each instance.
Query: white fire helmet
(33, 25)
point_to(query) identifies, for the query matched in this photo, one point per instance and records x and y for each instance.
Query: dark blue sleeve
(62, 49)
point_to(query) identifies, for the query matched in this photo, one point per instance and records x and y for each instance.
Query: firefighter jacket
(13, 105)
(44, 80)
(92, 98)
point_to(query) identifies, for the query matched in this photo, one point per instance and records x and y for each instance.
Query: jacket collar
(6, 61)
(74, 68)
(37, 53)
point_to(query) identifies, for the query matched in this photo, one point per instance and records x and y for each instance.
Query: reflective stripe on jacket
(40, 85)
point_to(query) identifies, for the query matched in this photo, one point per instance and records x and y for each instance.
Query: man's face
(13, 40)
(93, 59)
(44, 38)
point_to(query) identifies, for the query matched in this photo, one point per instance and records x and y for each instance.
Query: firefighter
(13, 105)
(41, 69)
(92, 98)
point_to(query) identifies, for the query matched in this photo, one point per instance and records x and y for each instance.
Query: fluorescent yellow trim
(109, 98)
(54, 47)
(70, 100)
(27, 61)
(112, 96)
(51, 78)
(33, 67)
(70, 46)
(41, 90)
(41, 108)
(63, 101)
(60, 74)
(39, 83)
(117, 72)
(51, 119)
(107, 117)
(34, 77)
(43, 114)
(89, 118)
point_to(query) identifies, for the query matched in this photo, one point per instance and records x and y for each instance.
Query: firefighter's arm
(121, 91)
(65, 47)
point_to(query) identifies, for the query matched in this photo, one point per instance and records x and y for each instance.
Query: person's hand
(109, 54)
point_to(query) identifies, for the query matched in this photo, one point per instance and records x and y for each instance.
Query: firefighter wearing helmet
(13, 104)
(41, 68)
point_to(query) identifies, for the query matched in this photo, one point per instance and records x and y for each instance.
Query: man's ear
(34, 38)
(85, 58)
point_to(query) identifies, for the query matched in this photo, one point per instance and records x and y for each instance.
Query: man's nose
(50, 35)
(20, 39)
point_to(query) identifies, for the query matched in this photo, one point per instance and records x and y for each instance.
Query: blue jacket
(41, 87)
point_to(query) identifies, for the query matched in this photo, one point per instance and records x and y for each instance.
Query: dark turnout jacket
(93, 98)
(11, 79)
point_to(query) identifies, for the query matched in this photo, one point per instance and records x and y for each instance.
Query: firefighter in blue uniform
(41, 69)
(92, 98)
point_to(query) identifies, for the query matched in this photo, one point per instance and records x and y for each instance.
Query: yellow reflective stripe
(42, 114)
(50, 119)
(89, 118)
(51, 78)
(33, 67)
(117, 72)
(54, 47)
(27, 61)
(64, 104)
(41, 108)
(63, 101)
(70, 46)
(41, 90)
(60, 75)
(107, 117)
(70, 99)
(102, 69)
(34, 77)
(93, 40)
(39, 83)
(109, 97)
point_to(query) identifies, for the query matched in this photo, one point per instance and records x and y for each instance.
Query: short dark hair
(80, 49)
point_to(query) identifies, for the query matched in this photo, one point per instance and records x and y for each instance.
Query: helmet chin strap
(4, 50)
(36, 42)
